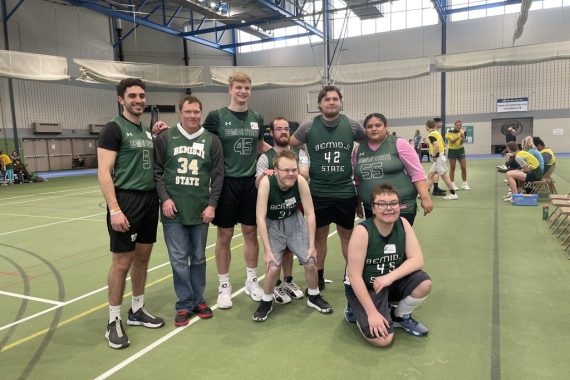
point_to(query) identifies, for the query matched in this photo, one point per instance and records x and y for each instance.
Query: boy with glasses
(385, 264)
(282, 225)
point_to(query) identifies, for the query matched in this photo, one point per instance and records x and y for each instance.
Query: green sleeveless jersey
(271, 153)
(282, 204)
(187, 168)
(330, 151)
(384, 166)
(384, 253)
(239, 142)
(134, 166)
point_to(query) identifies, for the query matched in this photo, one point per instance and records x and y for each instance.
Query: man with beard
(125, 158)
(330, 138)
(280, 132)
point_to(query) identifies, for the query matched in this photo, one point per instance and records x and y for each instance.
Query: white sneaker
(451, 197)
(508, 195)
(253, 290)
(280, 295)
(293, 290)
(454, 186)
(465, 186)
(508, 199)
(502, 167)
(505, 181)
(224, 296)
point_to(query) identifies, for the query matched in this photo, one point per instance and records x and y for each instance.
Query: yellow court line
(85, 313)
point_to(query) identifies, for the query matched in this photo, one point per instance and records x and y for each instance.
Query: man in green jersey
(240, 130)
(189, 173)
(282, 225)
(125, 173)
(279, 131)
(385, 264)
(330, 138)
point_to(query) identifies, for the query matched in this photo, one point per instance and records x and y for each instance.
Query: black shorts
(237, 203)
(141, 210)
(339, 211)
(396, 292)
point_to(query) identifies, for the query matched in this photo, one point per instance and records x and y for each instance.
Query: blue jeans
(187, 251)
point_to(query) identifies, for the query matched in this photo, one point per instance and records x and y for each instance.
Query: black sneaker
(116, 335)
(144, 318)
(203, 311)
(182, 318)
(319, 303)
(438, 192)
(263, 310)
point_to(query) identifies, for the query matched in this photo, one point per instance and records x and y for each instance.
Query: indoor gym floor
(498, 310)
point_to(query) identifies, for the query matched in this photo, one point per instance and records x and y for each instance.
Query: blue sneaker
(349, 315)
(409, 324)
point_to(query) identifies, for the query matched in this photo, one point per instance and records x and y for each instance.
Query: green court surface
(498, 309)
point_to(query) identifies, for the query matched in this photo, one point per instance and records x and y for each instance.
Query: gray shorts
(289, 233)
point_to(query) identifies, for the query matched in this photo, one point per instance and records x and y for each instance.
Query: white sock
(251, 273)
(407, 305)
(313, 292)
(224, 278)
(267, 297)
(137, 302)
(114, 313)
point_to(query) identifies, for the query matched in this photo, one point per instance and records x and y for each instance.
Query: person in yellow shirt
(547, 153)
(455, 152)
(7, 168)
(529, 169)
(437, 152)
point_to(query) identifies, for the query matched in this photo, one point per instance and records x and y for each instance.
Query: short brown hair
(288, 153)
(512, 146)
(326, 89)
(430, 124)
(126, 83)
(384, 188)
(278, 118)
(189, 99)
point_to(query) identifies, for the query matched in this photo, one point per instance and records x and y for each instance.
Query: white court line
(45, 198)
(39, 216)
(20, 321)
(52, 224)
(49, 192)
(165, 338)
(31, 298)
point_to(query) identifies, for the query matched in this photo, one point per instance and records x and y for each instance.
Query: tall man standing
(125, 157)
(189, 173)
(330, 138)
(240, 130)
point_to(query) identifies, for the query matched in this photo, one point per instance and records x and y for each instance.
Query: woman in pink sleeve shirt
(383, 158)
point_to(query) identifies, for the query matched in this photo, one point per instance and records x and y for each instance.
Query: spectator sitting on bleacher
(547, 153)
(21, 170)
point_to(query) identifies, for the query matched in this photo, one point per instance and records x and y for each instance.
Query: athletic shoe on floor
(508, 195)
(263, 310)
(454, 186)
(224, 296)
(409, 324)
(508, 199)
(502, 167)
(465, 186)
(116, 335)
(143, 318)
(203, 311)
(280, 295)
(292, 289)
(438, 192)
(451, 197)
(349, 315)
(182, 318)
(505, 181)
(319, 303)
(253, 290)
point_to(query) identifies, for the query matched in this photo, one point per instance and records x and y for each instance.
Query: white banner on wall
(512, 105)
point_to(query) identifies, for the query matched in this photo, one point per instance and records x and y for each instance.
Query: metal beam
(7, 17)
(439, 6)
(483, 6)
(231, 26)
(269, 5)
(149, 24)
(240, 44)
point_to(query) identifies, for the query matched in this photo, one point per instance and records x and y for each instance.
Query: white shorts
(439, 166)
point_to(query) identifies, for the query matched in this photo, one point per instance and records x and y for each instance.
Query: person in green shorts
(456, 152)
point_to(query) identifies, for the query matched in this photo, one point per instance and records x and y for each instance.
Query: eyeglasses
(289, 171)
(281, 130)
(384, 205)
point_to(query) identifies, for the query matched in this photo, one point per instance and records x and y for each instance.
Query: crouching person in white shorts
(281, 224)
(385, 266)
